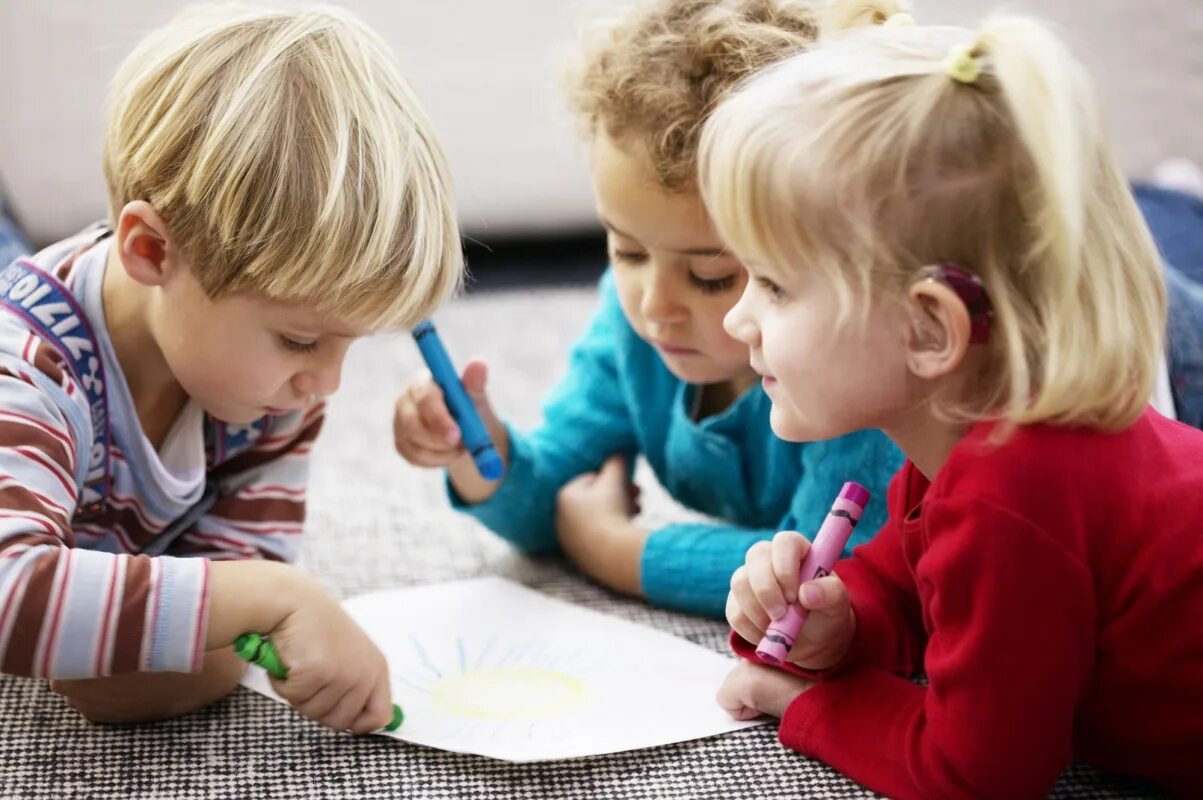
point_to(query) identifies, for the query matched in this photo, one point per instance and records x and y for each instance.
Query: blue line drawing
(422, 655)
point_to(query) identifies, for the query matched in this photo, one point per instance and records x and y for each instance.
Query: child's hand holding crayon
(769, 580)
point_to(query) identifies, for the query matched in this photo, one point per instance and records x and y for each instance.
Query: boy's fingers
(789, 549)
(348, 709)
(763, 580)
(319, 706)
(378, 712)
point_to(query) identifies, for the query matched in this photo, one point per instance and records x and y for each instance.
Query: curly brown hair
(653, 77)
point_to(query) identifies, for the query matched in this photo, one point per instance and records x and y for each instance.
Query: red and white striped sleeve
(67, 612)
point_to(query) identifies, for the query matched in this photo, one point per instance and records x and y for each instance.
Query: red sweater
(1052, 591)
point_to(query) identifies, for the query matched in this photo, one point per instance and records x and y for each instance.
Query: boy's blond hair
(289, 157)
(865, 158)
(651, 78)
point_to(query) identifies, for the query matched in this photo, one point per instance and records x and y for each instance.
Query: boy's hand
(593, 523)
(426, 434)
(769, 579)
(336, 675)
(750, 690)
(150, 696)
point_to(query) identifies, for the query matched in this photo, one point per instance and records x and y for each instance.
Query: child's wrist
(252, 596)
(469, 487)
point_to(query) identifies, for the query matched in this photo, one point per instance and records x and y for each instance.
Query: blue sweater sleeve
(688, 567)
(586, 420)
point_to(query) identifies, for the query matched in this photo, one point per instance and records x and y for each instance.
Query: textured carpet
(377, 523)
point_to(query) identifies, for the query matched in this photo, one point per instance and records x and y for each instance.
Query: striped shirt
(78, 597)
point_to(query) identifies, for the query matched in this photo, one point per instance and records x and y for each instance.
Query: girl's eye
(773, 289)
(297, 347)
(712, 285)
(629, 256)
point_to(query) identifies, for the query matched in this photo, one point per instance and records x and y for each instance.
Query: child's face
(242, 356)
(825, 379)
(675, 281)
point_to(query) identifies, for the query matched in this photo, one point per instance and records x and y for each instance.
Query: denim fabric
(1185, 345)
(1176, 220)
(12, 242)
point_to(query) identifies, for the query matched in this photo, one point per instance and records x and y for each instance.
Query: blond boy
(275, 193)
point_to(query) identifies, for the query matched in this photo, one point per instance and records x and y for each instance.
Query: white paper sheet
(491, 667)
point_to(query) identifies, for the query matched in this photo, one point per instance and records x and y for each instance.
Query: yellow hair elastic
(961, 64)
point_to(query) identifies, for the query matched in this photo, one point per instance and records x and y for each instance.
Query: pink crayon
(824, 552)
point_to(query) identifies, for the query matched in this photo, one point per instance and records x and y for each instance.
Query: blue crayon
(472, 430)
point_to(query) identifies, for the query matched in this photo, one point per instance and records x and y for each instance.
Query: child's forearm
(149, 696)
(252, 596)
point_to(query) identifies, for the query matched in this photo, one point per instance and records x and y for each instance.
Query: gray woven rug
(376, 523)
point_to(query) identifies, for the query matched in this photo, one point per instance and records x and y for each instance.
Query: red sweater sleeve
(1009, 653)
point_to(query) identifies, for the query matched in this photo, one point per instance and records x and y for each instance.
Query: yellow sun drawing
(509, 692)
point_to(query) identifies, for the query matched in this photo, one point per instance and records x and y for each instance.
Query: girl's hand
(593, 523)
(750, 690)
(769, 579)
(426, 435)
(424, 432)
(336, 675)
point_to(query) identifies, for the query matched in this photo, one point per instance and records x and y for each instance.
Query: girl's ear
(938, 336)
(142, 240)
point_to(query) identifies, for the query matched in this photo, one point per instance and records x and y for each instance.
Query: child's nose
(661, 302)
(321, 379)
(739, 325)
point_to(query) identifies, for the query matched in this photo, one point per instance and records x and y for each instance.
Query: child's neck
(926, 440)
(715, 398)
(157, 395)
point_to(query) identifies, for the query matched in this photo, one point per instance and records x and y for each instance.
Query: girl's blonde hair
(889, 148)
(651, 77)
(288, 156)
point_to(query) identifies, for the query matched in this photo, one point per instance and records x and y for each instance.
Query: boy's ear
(937, 337)
(142, 240)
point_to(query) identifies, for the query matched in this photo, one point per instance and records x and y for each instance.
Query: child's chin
(235, 415)
(794, 430)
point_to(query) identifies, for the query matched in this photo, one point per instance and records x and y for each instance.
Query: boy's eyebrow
(689, 251)
(337, 330)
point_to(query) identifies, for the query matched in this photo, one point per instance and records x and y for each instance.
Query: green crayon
(256, 649)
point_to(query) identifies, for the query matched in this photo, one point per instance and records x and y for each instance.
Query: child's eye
(712, 285)
(297, 347)
(629, 256)
(773, 289)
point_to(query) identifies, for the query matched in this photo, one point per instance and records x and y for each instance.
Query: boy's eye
(712, 285)
(296, 346)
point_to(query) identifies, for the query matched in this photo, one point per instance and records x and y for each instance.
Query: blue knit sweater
(618, 397)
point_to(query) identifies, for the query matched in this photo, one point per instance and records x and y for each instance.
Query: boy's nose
(320, 380)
